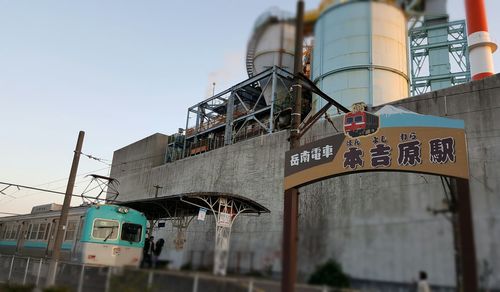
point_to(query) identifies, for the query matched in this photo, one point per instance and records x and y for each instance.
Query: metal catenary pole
(61, 227)
(291, 204)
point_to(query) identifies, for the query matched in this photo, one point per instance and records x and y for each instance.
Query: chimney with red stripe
(481, 47)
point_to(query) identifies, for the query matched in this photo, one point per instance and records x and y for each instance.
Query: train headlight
(123, 210)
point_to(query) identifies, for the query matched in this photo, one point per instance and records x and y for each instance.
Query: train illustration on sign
(360, 122)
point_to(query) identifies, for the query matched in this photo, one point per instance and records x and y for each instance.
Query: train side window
(6, 233)
(12, 234)
(42, 231)
(18, 231)
(2, 231)
(28, 231)
(34, 231)
(105, 229)
(70, 230)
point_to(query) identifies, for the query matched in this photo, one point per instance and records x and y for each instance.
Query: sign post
(466, 246)
(291, 198)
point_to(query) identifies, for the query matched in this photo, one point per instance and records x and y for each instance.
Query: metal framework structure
(439, 54)
(225, 209)
(105, 185)
(181, 209)
(243, 111)
(236, 114)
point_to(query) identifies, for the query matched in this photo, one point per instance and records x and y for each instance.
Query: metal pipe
(481, 47)
(273, 101)
(26, 270)
(80, 281)
(195, 282)
(39, 271)
(108, 280)
(150, 280)
(185, 136)
(11, 266)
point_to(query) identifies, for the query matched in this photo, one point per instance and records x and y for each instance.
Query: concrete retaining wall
(375, 224)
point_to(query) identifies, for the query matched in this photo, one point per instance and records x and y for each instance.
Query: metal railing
(81, 278)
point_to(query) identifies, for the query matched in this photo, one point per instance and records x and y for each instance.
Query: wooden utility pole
(61, 226)
(291, 204)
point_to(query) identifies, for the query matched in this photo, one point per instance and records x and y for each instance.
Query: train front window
(131, 232)
(349, 120)
(358, 119)
(105, 229)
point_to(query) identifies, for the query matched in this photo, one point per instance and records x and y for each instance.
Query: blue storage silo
(360, 53)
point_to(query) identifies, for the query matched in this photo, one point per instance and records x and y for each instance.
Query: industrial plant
(228, 157)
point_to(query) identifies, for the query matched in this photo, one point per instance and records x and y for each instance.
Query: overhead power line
(101, 160)
(45, 190)
(66, 178)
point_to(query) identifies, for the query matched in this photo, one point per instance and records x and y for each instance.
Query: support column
(273, 100)
(228, 135)
(197, 127)
(465, 236)
(290, 238)
(223, 223)
(185, 135)
(221, 251)
(225, 209)
(291, 198)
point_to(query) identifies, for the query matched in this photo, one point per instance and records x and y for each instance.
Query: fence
(81, 278)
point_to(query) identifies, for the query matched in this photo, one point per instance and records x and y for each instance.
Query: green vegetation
(330, 274)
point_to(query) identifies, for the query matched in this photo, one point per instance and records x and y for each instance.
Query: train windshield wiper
(111, 232)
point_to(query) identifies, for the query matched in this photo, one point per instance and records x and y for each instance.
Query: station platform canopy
(189, 204)
(181, 209)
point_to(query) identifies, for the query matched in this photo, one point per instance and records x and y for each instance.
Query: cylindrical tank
(360, 53)
(271, 44)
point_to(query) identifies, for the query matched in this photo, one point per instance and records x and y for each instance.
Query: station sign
(224, 219)
(389, 140)
(202, 213)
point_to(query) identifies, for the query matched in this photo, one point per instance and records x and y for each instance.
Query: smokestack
(481, 47)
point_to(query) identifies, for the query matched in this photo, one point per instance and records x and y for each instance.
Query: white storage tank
(272, 44)
(360, 53)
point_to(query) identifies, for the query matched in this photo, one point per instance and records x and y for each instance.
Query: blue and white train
(107, 235)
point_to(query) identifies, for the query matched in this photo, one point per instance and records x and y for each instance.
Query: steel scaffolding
(439, 55)
(236, 114)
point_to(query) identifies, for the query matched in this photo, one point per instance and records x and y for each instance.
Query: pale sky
(120, 70)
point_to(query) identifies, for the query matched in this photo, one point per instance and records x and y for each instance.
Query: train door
(52, 237)
(22, 234)
(70, 234)
(77, 247)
